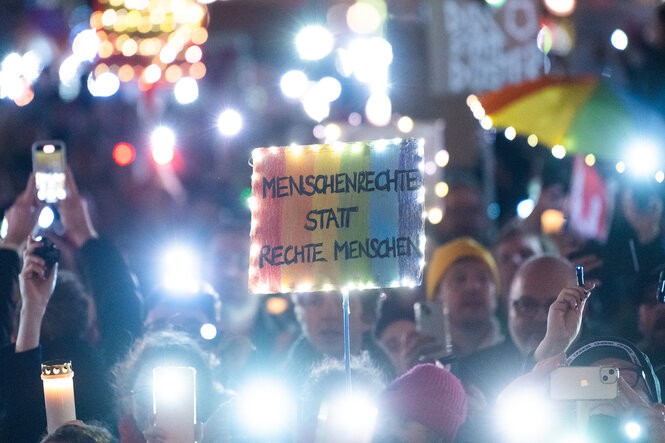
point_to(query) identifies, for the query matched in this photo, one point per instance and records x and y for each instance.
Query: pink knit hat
(429, 395)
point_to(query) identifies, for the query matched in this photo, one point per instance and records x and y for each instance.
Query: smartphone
(174, 402)
(584, 383)
(48, 164)
(432, 320)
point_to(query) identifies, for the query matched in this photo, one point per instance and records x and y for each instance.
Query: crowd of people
(513, 312)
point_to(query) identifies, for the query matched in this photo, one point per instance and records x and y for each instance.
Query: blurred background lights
(552, 221)
(523, 416)
(431, 168)
(124, 154)
(441, 158)
(163, 143)
(330, 88)
(276, 305)
(105, 85)
(46, 217)
(314, 42)
(562, 8)
(152, 74)
(633, 430)
(332, 132)
(495, 3)
(371, 58)
(493, 210)
(405, 124)
(69, 69)
(486, 122)
(660, 176)
(510, 133)
(363, 18)
(351, 417)
(378, 109)
(435, 215)
(619, 39)
(294, 84)
(229, 122)
(86, 45)
(315, 105)
(642, 157)
(558, 151)
(532, 140)
(620, 167)
(208, 331)
(590, 159)
(186, 90)
(525, 208)
(441, 189)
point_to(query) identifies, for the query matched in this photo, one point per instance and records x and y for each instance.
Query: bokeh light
(405, 124)
(363, 18)
(435, 215)
(294, 84)
(186, 90)
(124, 154)
(510, 133)
(558, 151)
(441, 189)
(378, 109)
(562, 8)
(314, 42)
(619, 39)
(229, 122)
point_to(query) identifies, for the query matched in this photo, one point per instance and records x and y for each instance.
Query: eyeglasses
(527, 306)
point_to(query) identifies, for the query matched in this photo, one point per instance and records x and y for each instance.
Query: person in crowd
(330, 411)
(465, 214)
(321, 318)
(463, 275)
(53, 320)
(132, 379)
(425, 405)
(79, 432)
(514, 246)
(396, 329)
(651, 319)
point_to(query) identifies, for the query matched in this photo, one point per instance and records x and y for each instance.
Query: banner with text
(340, 216)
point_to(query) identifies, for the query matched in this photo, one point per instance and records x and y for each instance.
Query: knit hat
(599, 348)
(429, 395)
(444, 256)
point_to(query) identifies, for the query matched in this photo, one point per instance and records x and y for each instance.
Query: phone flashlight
(579, 270)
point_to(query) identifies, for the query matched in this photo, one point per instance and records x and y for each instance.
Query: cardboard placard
(340, 216)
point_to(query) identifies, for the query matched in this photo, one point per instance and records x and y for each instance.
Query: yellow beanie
(444, 256)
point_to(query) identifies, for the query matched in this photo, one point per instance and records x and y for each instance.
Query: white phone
(584, 383)
(174, 402)
(48, 164)
(432, 320)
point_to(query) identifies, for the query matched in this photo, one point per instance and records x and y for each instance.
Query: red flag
(591, 202)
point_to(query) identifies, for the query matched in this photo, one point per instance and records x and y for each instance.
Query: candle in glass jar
(58, 379)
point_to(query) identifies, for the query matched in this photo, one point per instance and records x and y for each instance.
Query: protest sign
(337, 217)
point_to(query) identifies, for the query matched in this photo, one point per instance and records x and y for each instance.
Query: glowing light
(442, 158)
(532, 140)
(186, 90)
(441, 189)
(434, 216)
(294, 84)
(124, 154)
(129, 47)
(315, 105)
(193, 54)
(544, 39)
(86, 45)
(430, 168)
(486, 122)
(525, 208)
(332, 132)
(265, 408)
(229, 122)
(642, 157)
(276, 305)
(561, 8)
(105, 85)
(125, 73)
(633, 430)
(533, 416)
(173, 73)
(4, 227)
(152, 74)
(558, 151)
(31, 65)
(46, 217)
(355, 119)
(405, 124)
(208, 331)
(552, 221)
(620, 167)
(69, 69)
(619, 40)
(314, 42)
(660, 176)
(163, 143)
(180, 268)
(378, 109)
(350, 417)
(371, 58)
(495, 3)
(590, 159)
(363, 18)
(330, 88)
(510, 133)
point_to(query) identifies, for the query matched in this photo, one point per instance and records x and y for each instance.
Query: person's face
(651, 323)
(631, 374)
(531, 295)
(468, 288)
(511, 253)
(322, 321)
(394, 339)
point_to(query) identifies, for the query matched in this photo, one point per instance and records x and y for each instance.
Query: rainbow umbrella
(583, 114)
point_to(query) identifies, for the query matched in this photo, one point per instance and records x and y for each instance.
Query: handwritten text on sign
(347, 215)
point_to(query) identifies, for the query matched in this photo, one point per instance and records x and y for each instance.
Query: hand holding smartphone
(48, 164)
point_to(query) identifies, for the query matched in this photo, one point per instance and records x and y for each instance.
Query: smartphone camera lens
(605, 378)
(611, 371)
